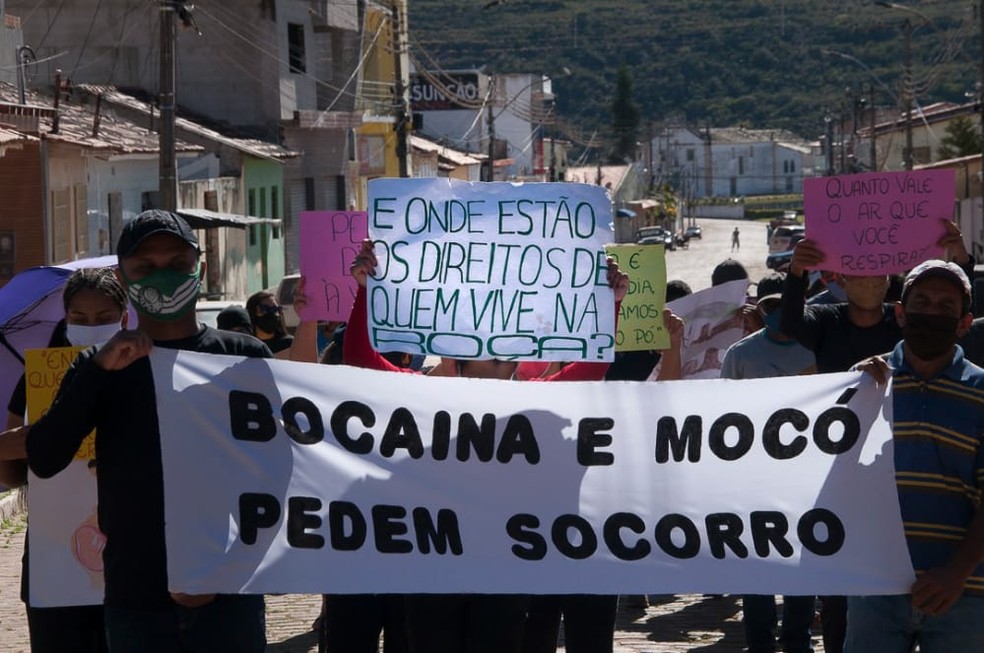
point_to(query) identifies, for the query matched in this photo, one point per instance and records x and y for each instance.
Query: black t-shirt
(121, 406)
(279, 342)
(827, 330)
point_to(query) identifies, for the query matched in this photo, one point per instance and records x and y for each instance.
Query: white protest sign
(712, 323)
(66, 545)
(490, 270)
(283, 477)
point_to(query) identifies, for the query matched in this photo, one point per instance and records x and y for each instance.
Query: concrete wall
(237, 72)
(224, 247)
(22, 214)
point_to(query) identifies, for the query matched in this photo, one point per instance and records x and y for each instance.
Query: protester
(764, 354)
(475, 623)
(234, 318)
(111, 389)
(267, 318)
(938, 436)
(95, 309)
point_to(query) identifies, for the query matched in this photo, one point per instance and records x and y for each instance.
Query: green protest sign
(640, 319)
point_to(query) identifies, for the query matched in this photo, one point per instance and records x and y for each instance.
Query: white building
(454, 107)
(730, 162)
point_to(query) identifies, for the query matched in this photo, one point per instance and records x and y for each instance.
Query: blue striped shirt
(938, 430)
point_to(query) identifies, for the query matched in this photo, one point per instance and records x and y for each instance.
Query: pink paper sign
(329, 242)
(879, 222)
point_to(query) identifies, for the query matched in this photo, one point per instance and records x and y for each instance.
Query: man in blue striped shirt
(938, 427)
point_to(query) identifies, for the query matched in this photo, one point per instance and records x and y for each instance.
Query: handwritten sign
(880, 222)
(490, 270)
(329, 242)
(66, 543)
(640, 318)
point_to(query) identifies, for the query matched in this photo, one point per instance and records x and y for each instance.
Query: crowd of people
(916, 330)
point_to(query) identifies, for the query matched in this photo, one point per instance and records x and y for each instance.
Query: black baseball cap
(148, 223)
(769, 287)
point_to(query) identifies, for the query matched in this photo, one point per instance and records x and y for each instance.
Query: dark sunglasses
(271, 310)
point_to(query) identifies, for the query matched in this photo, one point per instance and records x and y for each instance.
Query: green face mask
(165, 294)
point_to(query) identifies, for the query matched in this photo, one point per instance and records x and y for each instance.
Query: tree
(625, 118)
(962, 138)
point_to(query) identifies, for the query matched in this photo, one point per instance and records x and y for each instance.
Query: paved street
(694, 265)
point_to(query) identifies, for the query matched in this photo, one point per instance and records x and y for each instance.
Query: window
(274, 202)
(792, 166)
(251, 202)
(211, 200)
(61, 226)
(252, 235)
(741, 165)
(785, 167)
(295, 48)
(690, 155)
(263, 204)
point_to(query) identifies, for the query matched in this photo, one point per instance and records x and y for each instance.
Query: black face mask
(269, 323)
(930, 336)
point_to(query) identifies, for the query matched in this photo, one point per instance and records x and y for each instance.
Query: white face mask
(82, 335)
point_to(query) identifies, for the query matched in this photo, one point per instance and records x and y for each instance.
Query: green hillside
(760, 63)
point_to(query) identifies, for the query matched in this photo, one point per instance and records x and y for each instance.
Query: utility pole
(404, 117)
(167, 189)
(872, 115)
(490, 170)
(907, 92)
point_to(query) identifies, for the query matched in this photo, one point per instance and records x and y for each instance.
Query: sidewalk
(689, 623)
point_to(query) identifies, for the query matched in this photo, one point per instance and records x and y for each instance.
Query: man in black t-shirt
(111, 389)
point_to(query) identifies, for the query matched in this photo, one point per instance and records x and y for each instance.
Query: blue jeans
(229, 623)
(889, 624)
(759, 617)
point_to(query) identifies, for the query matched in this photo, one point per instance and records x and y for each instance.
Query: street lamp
(907, 85)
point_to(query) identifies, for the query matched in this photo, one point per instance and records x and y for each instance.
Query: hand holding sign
(878, 223)
(328, 241)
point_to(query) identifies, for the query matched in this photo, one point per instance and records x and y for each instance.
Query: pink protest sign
(879, 222)
(329, 242)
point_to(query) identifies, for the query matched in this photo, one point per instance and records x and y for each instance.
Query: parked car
(654, 235)
(208, 310)
(780, 260)
(784, 237)
(693, 231)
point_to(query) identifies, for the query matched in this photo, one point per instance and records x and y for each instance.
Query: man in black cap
(111, 389)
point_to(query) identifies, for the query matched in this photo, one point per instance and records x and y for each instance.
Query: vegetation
(757, 63)
(625, 118)
(962, 138)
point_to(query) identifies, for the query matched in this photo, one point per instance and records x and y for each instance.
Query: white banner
(287, 477)
(491, 270)
(712, 323)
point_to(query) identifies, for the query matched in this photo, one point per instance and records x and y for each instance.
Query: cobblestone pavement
(671, 624)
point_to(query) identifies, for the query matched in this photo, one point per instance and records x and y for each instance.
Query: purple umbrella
(30, 307)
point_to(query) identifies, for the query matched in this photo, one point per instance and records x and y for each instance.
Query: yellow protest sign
(44, 371)
(640, 319)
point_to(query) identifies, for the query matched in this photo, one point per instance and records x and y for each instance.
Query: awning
(205, 219)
